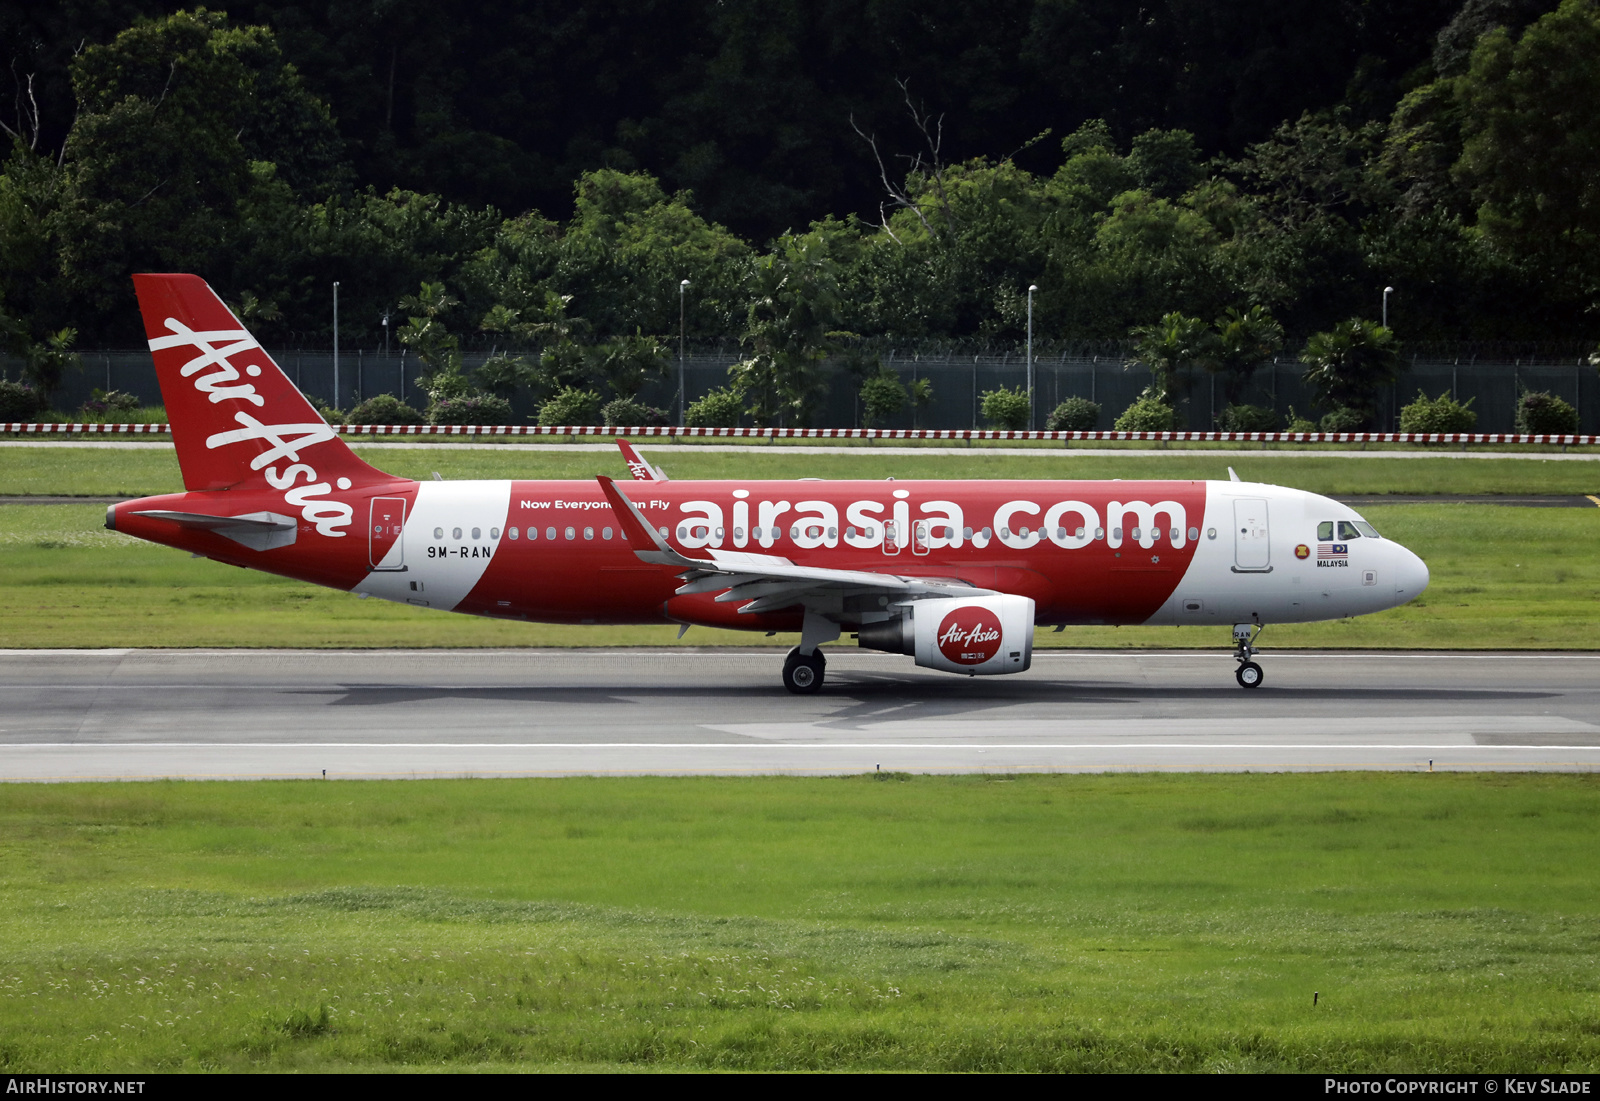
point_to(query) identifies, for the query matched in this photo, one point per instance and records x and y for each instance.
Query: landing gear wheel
(1249, 675)
(802, 674)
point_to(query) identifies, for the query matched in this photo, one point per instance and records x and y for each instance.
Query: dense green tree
(1531, 148)
(1245, 340)
(1347, 366)
(790, 329)
(1174, 349)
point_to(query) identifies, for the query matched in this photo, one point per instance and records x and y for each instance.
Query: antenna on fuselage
(1232, 477)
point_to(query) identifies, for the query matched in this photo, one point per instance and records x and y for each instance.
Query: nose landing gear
(1249, 674)
(802, 673)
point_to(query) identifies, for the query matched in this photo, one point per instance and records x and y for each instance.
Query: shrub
(630, 412)
(385, 409)
(882, 396)
(1297, 423)
(1006, 409)
(1248, 418)
(717, 409)
(1442, 414)
(472, 409)
(19, 401)
(1074, 415)
(1545, 414)
(1147, 414)
(329, 413)
(1344, 419)
(103, 402)
(571, 406)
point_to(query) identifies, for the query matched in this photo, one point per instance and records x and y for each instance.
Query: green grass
(144, 414)
(1448, 923)
(71, 471)
(1503, 578)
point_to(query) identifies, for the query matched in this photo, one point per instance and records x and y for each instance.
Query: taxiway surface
(231, 714)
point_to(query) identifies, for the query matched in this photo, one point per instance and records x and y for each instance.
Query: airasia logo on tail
(287, 440)
(969, 636)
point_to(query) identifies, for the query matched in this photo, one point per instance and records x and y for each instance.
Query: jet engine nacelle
(976, 635)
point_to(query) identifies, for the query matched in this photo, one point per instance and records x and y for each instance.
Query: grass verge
(94, 472)
(1503, 578)
(1447, 923)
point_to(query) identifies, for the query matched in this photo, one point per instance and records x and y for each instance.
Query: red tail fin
(235, 415)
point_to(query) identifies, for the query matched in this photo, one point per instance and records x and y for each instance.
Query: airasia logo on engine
(969, 636)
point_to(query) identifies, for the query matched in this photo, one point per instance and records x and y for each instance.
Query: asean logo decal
(969, 636)
(1302, 551)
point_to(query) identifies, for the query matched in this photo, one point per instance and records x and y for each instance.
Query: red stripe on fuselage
(591, 578)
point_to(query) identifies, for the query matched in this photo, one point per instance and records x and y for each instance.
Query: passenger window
(494, 533)
(738, 533)
(1325, 531)
(966, 533)
(550, 533)
(438, 533)
(455, 533)
(1367, 529)
(1347, 531)
(512, 532)
(477, 533)
(588, 533)
(572, 533)
(605, 533)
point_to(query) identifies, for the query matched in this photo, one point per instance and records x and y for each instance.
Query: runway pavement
(230, 714)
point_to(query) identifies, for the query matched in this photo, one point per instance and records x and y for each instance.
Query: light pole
(336, 345)
(385, 322)
(683, 412)
(1031, 288)
(1387, 291)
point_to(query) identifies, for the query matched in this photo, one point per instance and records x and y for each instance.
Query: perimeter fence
(1492, 384)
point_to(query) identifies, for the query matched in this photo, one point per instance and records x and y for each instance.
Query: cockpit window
(1325, 531)
(1367, 529)
(1347, 531)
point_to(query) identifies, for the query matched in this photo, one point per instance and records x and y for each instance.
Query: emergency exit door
(1252, 540)
(387, 520)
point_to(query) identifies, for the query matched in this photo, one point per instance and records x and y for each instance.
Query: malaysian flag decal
(1333, 554)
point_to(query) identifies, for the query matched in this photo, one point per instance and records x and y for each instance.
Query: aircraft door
(919, 537)
(388, 518)
(891, 537)
(1252, 540)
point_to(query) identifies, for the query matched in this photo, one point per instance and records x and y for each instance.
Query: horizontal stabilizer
(260, 531)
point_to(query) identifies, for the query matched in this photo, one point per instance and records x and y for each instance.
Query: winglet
(638, 467)
(645, 540)
(1232, 477)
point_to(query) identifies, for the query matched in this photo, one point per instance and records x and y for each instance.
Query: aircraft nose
(1410, 575)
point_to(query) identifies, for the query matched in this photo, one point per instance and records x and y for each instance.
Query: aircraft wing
(767, 581)
(641, 470)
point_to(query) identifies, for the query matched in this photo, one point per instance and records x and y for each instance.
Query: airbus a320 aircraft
(956, 574)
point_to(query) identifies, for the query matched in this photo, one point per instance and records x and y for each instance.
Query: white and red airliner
(956, 574)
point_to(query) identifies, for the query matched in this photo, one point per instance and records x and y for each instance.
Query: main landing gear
(802, 673)
(1249, 674)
